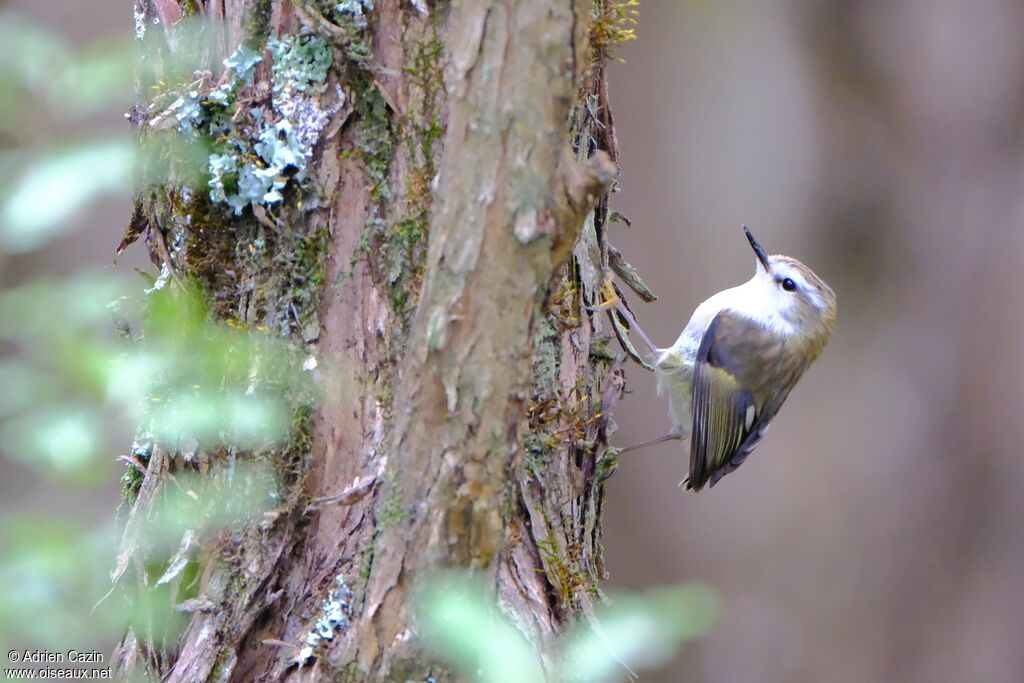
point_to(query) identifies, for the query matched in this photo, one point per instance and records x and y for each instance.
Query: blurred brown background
(878, 532)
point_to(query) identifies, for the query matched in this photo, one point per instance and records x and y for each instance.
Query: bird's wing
(730, 412)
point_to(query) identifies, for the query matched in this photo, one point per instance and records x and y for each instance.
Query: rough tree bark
(436, 261)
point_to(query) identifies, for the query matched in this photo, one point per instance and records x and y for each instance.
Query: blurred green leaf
(462, 624)
(128, 375)
(41, 310)
(29, 51)
(176, 314)
(64, 439)
(197, 43)
(465, 627)
(102, 73)
(23, 387)
(36, 63)
(189, 378)
(243, 421)
(231, 495)
(639, 631)
(45, 198)
(54, 571)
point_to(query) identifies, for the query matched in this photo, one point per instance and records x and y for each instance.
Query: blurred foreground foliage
(56, 572)
(462, 624)
(87, 352)
(75, 364)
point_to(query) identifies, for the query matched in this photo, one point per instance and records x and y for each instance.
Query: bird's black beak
(758, 249)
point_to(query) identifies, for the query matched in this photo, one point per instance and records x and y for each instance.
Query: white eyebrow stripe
(784, 270)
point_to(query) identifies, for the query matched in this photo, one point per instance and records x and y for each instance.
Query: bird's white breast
(759, 299)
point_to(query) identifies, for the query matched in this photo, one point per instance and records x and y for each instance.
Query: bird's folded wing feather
(729, 373)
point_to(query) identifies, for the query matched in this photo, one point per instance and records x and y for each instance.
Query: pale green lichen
(355, 11)
(189, 113)
(300, 63)
(335, 612)
(196, 110)
(241, 66)
(243, 173)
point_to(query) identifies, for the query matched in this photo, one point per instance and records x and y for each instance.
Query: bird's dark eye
(788, 284)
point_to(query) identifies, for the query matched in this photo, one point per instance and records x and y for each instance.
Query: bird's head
(793, 296)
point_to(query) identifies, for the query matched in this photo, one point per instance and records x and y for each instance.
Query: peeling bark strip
(452, 216)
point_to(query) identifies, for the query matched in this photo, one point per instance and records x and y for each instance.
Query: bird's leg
(620, 318)
(633, 325)
(671, 436)
(628, 315)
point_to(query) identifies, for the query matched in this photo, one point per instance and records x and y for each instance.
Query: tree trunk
(435, 261)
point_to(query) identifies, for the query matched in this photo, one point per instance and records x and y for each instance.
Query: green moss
(408, 233)
(425, 72)
(210, 243)
(374, 136)
(374, 149)
(257, 25)
(189, 8)
(599, 351)
(560, 570)
(351, 673)
(546, 354)
(366, 566)
(544, 408)
(226, 256)
(606, 465)
(612, 22)
(389, 511)
(292, 461)
(238, 583)
(131, 480)
(217, 672)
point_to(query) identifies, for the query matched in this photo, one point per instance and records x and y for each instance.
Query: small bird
(737, 359)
